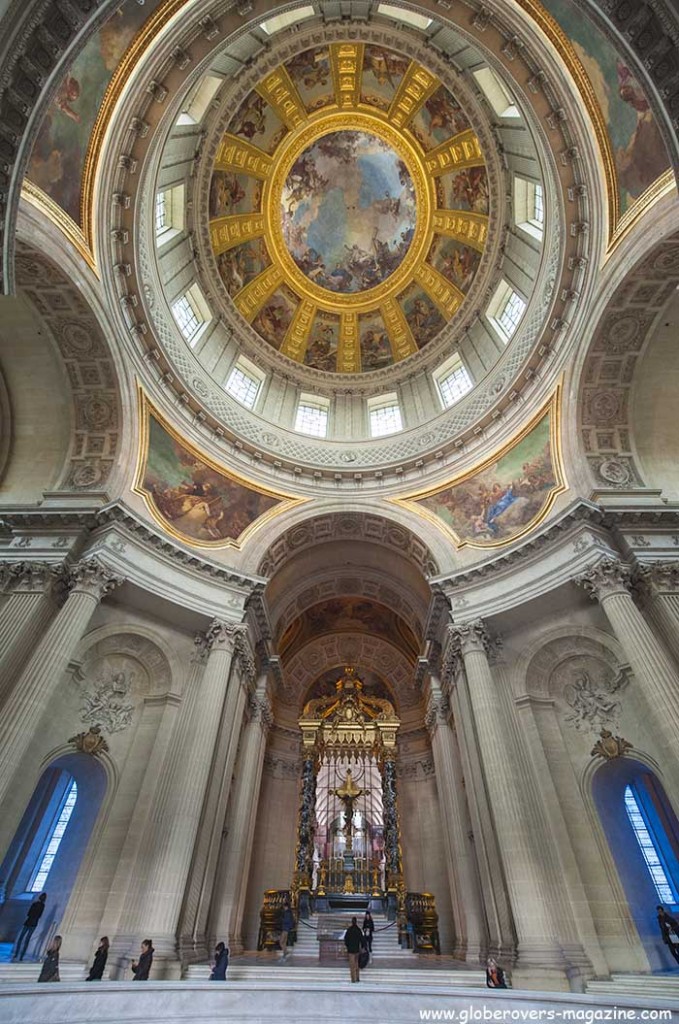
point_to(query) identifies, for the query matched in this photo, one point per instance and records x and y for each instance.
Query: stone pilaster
(658, 583)
(201, 886)
(173, 825)
(609, 582)
(463, 880)
(234, 869)
(87, 582)
(24, 614)
(539, 960)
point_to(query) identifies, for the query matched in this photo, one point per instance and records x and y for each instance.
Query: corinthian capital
(27, 577)
(91, 577)
(609, 576)
(469, 636)
(658, 578)
(438, 709)
(223, 636)
(261, 711)
(245, 657)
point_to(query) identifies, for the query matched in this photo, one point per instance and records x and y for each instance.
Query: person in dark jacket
(354, 941)
(35, 912)
(50, 966)
(142, 966)
(669, 929)
(221, 963)
(368, 930)
(100, 958)
(495, 976)
(287, 925)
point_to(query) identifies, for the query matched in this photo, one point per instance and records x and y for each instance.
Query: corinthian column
(659, 584)
(201, 885)
(656, 674)
(234, 867)
(24, 614)
(173, 826)
(88, 583)
(539, 961)
(463, 882)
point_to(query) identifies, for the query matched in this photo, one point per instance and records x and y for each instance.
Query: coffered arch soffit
(365, 653)
(535, 669)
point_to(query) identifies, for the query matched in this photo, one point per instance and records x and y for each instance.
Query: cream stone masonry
(226, 922)
(659, 583)
(88, 582)
(470, 938)
(538, 946)
(27, 608)
(609, 582)
(176, 815)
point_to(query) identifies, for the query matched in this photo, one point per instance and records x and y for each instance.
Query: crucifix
(347, 793)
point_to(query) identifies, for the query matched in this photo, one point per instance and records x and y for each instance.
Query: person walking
(354, 941)
(221, 963)
(142, 966)
(669, 929)
(368, 931)
(287, 925)
(50, 966)
(35, 912)
(99, 962)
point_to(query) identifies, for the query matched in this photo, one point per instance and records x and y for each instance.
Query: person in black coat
(368, 930)
(50, 966)
(142, 966)
(354, 941)
(35, 912)
(221, 963)
(669, 929)
(99, 963)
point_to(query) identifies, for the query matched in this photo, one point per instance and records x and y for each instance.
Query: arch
(157, 658)
(536, 664)
(610, 784)
(36, 829)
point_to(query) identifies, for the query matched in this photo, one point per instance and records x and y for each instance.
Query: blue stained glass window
(649, 849)
(54, 837)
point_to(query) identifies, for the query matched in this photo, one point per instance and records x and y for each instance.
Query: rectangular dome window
(453, 381)
(244, 383)
(505, 311)
(191, 312)
(281, 21)
(404, 17)
(169, 214)
(497, 94)
(384, 414)
(529, 207)
(312, 416)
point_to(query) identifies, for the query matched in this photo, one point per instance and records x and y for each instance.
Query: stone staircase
(650, 986)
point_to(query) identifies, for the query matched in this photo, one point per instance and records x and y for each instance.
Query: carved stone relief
(588, 693)
(106, 703)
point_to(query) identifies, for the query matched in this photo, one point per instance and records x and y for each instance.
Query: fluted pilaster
(234, 868)
(174, 823)
(658, 583)
(609, 582)
(539, 953)
(29, 604)
(88, 582)
(463, 881)
(201, 884)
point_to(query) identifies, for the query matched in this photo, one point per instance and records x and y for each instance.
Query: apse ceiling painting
(349, 207)
(192, 497)
(505, 497)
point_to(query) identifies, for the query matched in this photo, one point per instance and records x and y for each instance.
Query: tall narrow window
(505, 311)
(649, 848)
(54, 837)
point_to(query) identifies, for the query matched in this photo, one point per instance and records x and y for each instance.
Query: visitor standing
(669, 929)
(495, 976)
(142, 966)
(354, 941)
(35, 912)
(287, 925)
(368, 930)
(221, 963)
(50, 966)
(99, 962)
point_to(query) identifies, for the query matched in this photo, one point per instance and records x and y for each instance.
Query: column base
(541, 966)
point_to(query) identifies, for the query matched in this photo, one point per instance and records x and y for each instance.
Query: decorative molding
(91, 577)
(609, 747)
(90, 742)
(607, 577)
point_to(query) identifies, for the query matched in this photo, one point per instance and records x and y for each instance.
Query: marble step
(660, 986)
(311, 975)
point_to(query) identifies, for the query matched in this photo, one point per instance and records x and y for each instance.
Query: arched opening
(48, 847)
(643, 834)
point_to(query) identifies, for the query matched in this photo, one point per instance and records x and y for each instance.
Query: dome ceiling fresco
(349, 207)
